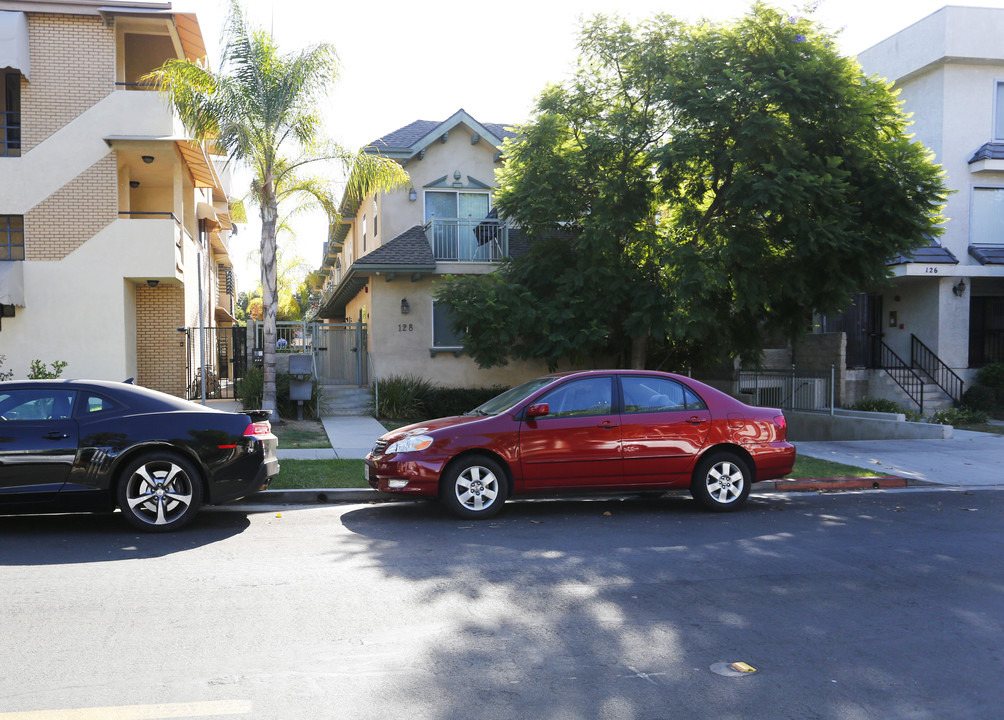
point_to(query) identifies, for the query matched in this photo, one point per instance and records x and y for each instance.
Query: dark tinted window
(91, 403)
(652, 394)
(589, 396)
(35, 404)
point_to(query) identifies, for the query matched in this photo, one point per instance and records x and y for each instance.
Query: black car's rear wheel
(475, 486)
(722, 482)
(159, 492)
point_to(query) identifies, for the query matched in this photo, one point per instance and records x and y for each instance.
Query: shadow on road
(105, 537)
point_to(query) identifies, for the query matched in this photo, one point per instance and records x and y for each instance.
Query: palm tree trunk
(270, 298)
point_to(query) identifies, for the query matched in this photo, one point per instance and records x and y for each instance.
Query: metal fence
(788, 390)
(339, 349)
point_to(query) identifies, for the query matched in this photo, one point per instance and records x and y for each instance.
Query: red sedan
(603, 431)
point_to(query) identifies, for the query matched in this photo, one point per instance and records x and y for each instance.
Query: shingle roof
(989, 151)
(410, 248)
(932, 253)
(414, 132)
(988, 254)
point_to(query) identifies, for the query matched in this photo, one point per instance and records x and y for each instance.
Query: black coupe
(70, 445)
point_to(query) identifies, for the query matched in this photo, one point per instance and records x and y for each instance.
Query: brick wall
(72, 68)
(73, 214)
(160, 348)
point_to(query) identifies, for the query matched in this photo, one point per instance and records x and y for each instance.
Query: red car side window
(590, 396)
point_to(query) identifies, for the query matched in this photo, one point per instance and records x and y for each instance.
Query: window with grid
(10, 114)
(11, 237)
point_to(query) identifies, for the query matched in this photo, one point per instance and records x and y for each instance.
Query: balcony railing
(468, 239)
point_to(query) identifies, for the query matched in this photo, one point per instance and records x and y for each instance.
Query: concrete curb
(333, 496)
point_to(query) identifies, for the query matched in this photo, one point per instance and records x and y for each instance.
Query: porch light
(153, 283)
(148, 159)
(134, 184)
(959, 289)
(405, 307)
(412, 195)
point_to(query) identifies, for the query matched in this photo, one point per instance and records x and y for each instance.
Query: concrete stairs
(934, 397)
(343, 400)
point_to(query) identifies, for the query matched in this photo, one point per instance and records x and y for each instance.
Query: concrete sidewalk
(350, 437)
(969, 459)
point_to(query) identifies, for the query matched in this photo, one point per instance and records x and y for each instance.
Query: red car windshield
(500, 403)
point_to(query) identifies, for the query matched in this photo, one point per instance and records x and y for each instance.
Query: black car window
(652, 394)
(91, 403)
(588, 396)
(36, 404)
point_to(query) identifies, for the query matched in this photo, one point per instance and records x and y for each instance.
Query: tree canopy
(694, 188)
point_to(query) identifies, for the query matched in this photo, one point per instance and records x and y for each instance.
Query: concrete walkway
(969, 459)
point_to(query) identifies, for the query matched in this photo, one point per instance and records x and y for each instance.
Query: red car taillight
(782, 426)
(258, 429)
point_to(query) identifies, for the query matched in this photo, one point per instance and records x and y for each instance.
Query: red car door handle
(607, 425)
(696, 420)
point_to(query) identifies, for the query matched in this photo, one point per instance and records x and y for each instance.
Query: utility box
(300, 380)
(258, 357)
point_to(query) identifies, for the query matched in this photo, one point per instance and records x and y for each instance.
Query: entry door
(38, 442)
(577, 444)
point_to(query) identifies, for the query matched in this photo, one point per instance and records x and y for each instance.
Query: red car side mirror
(536, 411)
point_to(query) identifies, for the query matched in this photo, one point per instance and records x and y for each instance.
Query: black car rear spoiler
(258, 415)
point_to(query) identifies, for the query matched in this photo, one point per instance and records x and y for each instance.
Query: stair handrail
(921, 356)
(902, 374)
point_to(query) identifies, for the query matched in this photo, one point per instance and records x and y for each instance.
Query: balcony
(474, 240)
(156, 241)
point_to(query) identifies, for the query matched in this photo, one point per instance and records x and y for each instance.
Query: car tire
(722, 482)
(474, 487)
(159, 492)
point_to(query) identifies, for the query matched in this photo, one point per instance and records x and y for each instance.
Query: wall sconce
(153, 283)
(405, 307)
(148, 159)
(412, 195)
(134, 184)
(959, 289)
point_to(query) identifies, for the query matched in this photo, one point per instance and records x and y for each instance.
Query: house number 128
(405, 327)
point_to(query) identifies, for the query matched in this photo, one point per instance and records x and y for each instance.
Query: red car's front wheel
(474, 487)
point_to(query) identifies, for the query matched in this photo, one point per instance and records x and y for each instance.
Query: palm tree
(261, 110)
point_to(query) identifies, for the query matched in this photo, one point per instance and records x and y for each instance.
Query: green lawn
(347, 473)
(300, 434)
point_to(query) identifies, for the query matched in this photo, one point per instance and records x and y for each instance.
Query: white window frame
(972, 212)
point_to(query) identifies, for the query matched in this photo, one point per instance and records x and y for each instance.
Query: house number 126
(405, 327)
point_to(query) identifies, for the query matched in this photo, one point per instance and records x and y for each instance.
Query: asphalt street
(850, 606)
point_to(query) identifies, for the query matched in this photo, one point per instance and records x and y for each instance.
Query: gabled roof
(988, 254)
(408, 141)
(931, 254)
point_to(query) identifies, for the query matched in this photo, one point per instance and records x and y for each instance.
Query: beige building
(944, 315)
(383, 261)
(112, 222)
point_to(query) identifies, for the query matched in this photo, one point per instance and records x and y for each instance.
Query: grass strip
(810, 468)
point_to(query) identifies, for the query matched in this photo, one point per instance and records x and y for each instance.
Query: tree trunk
(270, 297)
(639, 352)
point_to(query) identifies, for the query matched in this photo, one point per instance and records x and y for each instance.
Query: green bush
(40, 371)
(409, 397)
(250, 390)
(992, 376)
(877, 405)
(959, 416)
(980, 397)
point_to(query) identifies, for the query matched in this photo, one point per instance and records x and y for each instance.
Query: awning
(14, 48)
(205, 211)
(12, 283)
(201, 169)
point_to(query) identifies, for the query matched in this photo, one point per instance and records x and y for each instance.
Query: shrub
(9, 373)
(980, 397)
(409, 397)
(41, 371)
(959, 416)
(250, 390)
(992, 376)
(877, 405)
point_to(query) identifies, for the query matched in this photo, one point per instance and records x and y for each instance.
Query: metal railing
(136, 85)
(468, 239)
(910, 382)
(944, 377)
(788, 390)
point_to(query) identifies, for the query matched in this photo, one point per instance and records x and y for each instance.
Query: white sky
(405, 60)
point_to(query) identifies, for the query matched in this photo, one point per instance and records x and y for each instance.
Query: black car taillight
(258, 429)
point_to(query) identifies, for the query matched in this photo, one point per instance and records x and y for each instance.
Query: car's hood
(430, 425)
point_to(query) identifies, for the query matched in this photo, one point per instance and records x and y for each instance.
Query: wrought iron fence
(788, 390)
(944, 377)
(468, 239)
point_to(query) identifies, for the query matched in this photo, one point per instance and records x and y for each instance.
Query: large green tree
(262, 109)
(693, 189)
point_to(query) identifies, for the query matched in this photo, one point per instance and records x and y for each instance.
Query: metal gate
(338, 349)
(220, 354)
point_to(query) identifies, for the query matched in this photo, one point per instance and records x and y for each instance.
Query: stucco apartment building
(112, 222)
(947, 297)
(383, 261)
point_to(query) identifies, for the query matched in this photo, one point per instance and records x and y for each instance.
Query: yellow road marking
(138, 712)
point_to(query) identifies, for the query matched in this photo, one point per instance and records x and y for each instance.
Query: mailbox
(258, 356)
(300, 381)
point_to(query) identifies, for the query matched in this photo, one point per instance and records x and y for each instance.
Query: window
(988, 217)
(645, 394)
(454, 217)
(999, 112)
(92, 403)
(10, 114)
(443, 334)
(364, 233)
(11, 237)
(27, 405)
(376, 217)
(579, 398)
